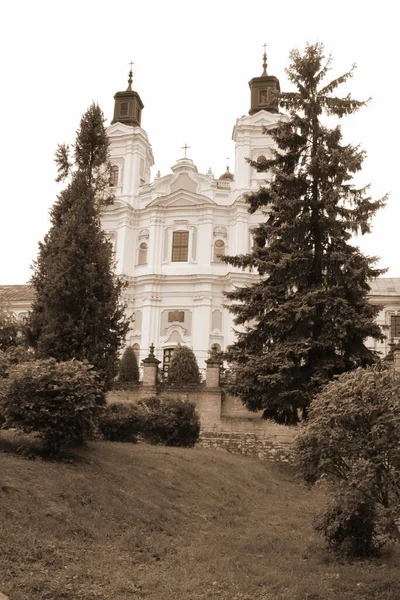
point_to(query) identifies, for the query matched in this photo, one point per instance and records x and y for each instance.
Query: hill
(125, 521)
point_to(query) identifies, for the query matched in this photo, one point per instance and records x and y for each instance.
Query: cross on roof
(185, 147)
(131, 64)
(265, 48)
(227, 160)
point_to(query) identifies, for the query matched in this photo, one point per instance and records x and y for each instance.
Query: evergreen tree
(183, 367)
(307, 316)
(77, 312)
(128, 369)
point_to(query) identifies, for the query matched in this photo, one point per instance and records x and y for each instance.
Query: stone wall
(275, 448)
(225, 423)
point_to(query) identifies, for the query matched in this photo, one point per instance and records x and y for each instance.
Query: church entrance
(167, 357)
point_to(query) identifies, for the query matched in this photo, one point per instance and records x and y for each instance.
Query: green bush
(352, 442)
(169, 422)
(349, 525)
(128, 369)
(59, 402)
(183, 368)
(120, 423)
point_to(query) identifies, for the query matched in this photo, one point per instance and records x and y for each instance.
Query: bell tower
(264, 91)
(130, 150)
(128, 106)
(250, 134)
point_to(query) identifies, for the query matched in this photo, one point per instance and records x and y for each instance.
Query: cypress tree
(183, 368)
(77, 312)
(307, 316)
(128, 369)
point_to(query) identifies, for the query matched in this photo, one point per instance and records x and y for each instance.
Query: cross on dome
(129, 89)
(186, 148)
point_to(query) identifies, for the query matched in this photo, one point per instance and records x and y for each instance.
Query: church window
(176, 316)
(264, 96)
(142, 259)
(395, 326)
(261, 159)
(219, 250)
(114, 176)
(123, 109)
(180, 246)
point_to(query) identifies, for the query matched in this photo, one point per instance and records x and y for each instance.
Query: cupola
(128, 106)
(264, 91)
(227, 176)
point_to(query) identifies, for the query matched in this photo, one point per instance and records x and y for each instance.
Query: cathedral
(170, 233)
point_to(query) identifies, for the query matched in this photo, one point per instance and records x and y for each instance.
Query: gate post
(150, 369)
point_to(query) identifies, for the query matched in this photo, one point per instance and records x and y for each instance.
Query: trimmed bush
(120, 423)
(128, 369)
(352, 443)
(183, 368)
(169, 422)
(59, 402)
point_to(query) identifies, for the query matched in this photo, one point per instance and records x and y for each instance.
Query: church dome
(227, 176)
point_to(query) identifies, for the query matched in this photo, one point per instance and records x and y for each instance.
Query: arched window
(219, 250)
(114, 176)
(142, 259)
(180, 246)
(261, 159)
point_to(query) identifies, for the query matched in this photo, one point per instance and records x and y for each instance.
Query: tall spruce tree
(307, 317)
(78, 312)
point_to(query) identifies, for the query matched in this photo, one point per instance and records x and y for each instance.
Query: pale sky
(193, 61)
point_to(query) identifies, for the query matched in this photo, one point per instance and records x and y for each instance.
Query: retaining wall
(225, 422)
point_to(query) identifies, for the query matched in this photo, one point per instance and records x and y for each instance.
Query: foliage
(77, 312)
(183, 368)
(59, 402)
(169, 422)
(14, 356)
(352, 442)
(120, 423)
(128, 368)
(9, 330)
(306, 318)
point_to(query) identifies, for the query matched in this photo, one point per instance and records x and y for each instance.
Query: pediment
(118, 129)
(181, 198)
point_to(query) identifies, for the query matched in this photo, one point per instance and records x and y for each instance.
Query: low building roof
(385, 286)
(17, 293)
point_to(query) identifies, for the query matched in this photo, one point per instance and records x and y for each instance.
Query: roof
(17, 293)
(385, 286)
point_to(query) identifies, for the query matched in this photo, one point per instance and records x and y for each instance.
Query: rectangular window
(123, 109)
(180, 246)
(395, 326)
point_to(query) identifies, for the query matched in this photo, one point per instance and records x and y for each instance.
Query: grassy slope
(133, 522)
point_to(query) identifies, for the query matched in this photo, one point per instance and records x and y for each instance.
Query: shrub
(183, 368)
(59, 402)
(352, 441)
(169, 422)
(128, 369)
(120, 423)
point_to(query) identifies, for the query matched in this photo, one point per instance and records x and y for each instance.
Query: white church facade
(169, 234)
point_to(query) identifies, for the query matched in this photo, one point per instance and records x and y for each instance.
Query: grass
(122, 521)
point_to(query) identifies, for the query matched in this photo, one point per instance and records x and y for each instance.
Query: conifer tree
(128, 369)
(77, 312)
(307, 316)
(183, 368)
